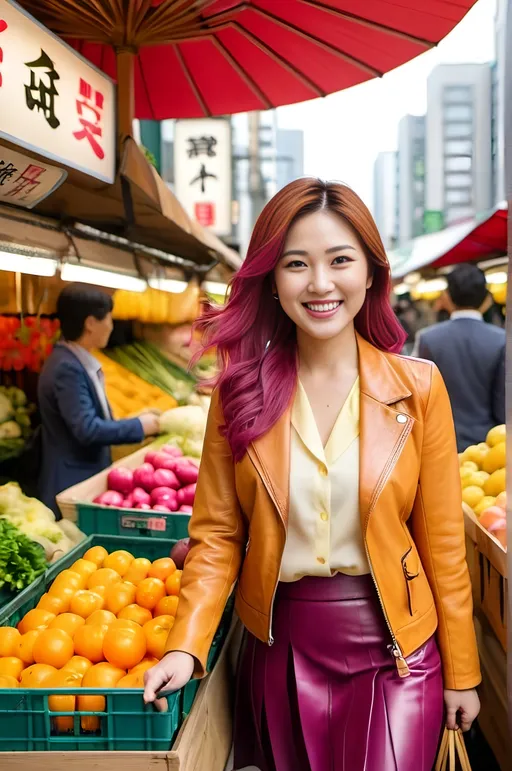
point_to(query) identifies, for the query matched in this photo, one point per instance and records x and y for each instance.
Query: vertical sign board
(202, 171)
(52, 101)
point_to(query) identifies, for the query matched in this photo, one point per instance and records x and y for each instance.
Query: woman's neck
(326, 358)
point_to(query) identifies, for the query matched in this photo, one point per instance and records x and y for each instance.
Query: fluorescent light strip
(86, 275)
(214, 287)
(32, 266)
(499, 277)
(175, 286)
(400, 289)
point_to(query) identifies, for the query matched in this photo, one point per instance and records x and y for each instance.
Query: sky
(344, 132)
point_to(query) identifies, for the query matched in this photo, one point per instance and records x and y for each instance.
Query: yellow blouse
(324, 529)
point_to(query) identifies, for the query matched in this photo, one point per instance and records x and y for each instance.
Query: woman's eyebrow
(303, 253)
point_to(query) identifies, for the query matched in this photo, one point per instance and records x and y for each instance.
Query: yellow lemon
(470, 464)
(496, 435)
(472, 495)
(465, 473)
(496, 458)
(485, 503)
(477, 478)
(496, 483)
(475, 453)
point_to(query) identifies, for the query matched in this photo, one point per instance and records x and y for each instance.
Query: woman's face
(323, 275)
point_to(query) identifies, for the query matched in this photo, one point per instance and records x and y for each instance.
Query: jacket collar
(380, 432)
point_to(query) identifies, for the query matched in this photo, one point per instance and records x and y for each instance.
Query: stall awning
(475, 240)
(138, 207)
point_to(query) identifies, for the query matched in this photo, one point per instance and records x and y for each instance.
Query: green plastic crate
(127, 724)
(92, 518)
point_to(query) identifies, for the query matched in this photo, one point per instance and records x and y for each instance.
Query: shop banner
(52, 101)
(26, 182)
(202, 171)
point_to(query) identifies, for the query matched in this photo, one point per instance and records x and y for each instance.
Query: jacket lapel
(383, 429)
(270, 455)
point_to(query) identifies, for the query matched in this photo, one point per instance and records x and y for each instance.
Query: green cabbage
(6, 410)
(188, 422)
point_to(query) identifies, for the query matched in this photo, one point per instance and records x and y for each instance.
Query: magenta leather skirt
(327, 695)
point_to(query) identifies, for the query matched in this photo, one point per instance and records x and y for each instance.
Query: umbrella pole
(125, 91)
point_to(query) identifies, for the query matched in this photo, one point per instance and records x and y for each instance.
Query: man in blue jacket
(471, 357)
(77, 424)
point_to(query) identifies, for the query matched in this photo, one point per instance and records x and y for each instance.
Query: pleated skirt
(326, 696)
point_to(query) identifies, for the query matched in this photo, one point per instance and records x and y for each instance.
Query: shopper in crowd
(329, 490)
(77, 424)
(470, 355)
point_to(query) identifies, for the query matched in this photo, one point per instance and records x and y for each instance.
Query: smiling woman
(295, 247)
(329, 495)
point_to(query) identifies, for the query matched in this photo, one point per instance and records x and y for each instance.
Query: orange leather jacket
(411, 516)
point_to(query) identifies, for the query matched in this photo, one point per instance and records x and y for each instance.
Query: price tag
(144, 523)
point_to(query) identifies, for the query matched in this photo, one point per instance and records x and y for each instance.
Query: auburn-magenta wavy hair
(254, 338)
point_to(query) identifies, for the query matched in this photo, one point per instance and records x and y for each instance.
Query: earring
(275, 296)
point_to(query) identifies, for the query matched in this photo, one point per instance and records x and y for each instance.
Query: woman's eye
(295, 264)
(341, 260)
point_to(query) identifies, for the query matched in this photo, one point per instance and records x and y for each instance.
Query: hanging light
(214, 287)
(99, 277)
(173, 285)
(499, 277)
(24, 263)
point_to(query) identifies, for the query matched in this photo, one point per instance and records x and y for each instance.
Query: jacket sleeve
(80, 415)
(218, 537)
(498, 395)
(438, 530)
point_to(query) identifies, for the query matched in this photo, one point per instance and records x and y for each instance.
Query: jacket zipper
(401, 664)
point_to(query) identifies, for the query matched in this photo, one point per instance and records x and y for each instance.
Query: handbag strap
(452, 748)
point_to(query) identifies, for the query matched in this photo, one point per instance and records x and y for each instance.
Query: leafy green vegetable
(21, 560)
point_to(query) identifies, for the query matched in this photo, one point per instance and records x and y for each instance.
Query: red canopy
(217, 57)
(489, 238)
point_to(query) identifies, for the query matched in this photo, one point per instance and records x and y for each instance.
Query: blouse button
(323, 470)
(401, 418)
(320, 560)
(324, 516)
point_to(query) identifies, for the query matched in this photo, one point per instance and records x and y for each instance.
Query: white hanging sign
(202, 171)
(26, 182)
(52, 101)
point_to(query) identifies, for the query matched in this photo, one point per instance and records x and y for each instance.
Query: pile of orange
(102, 624)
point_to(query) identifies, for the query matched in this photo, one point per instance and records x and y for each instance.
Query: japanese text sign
(52, 101)
(26, 182)
(202, 171)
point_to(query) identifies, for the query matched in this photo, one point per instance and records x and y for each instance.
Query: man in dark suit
(471, 357)
(77, 425)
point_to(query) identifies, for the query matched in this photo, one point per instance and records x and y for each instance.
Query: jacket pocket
(409, 577)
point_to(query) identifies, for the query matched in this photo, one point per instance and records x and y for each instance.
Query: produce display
(165, 482)
(15, 421)
(186, 426)
(21, 559)
(101, 624)
(33, 519)
(483, 479)
(156, 307)
(26, 342)
(129, 394)
(148, 363)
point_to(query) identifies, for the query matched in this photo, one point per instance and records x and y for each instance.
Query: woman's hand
(466, 703)
(171, 673)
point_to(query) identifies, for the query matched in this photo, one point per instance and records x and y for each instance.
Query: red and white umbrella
(194, 58)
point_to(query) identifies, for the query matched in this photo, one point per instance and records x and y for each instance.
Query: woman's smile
(324, 309)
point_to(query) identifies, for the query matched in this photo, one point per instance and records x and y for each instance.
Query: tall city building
(459, 171)
(410, 176)
(290, 156)
(498, 103)
(385, 189)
